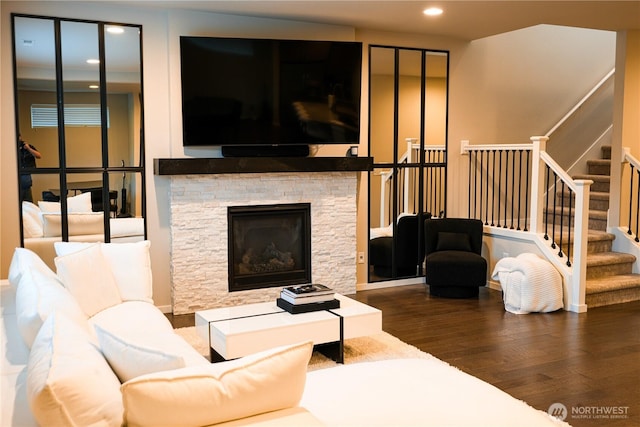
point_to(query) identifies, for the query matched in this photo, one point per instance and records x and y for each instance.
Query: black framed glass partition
(79, 118)
(408, 94)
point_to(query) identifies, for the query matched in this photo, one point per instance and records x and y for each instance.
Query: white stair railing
(496, 185)
(581, 102)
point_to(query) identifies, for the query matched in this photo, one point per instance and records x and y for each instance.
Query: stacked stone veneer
(199, 243)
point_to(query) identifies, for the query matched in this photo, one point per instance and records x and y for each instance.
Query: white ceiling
(467, 20)
(35, 55)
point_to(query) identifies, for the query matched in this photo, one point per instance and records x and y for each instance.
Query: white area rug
(382, 346)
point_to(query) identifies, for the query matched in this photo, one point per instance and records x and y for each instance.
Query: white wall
(509, 87)
(154, 35)
(186, 23)
(506, 244)
(531, 76)
(161, 79)
(626, 131)
(497, 94)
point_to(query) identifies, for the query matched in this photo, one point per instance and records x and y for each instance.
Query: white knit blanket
(529, 284)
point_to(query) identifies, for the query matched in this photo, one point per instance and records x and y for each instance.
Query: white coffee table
(234, 332)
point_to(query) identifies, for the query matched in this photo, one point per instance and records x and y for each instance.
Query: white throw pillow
(66, 248)
(87, 275)
(79, 203)
(31, 220)
(25, 260)
(38, 295)
(130, 360)
(130, 264)
(49, 206)
(69, 383)
(80, 224)
(210, 394)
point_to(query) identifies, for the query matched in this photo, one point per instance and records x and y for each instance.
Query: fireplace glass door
(269, 246)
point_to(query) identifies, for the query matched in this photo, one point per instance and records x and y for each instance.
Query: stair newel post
(579, 277)
(537, 183)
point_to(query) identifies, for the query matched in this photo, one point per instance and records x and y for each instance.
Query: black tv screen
(259, 92)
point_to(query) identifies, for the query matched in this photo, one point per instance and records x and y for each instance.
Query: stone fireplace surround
(198, 230)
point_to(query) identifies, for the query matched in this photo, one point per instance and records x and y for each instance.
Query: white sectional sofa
(100, 352)
(86, 346)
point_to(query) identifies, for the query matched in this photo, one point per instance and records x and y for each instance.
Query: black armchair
(408, 252)
(96, 201)
(48, 196)
(454, 267)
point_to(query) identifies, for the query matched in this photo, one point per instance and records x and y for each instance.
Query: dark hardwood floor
(589, 362)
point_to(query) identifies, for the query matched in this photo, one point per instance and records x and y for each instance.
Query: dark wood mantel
(228, 165)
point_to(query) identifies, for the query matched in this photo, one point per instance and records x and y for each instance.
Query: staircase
(609, 274)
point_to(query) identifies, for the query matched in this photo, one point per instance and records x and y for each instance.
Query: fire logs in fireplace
(271, 259)
(269, 246)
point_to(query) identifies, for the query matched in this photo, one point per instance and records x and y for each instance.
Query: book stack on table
(306, 298)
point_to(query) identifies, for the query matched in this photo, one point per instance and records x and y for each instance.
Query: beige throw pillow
(80, 224)
(211, 394)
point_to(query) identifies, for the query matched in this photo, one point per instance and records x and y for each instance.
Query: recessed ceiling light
(432, 11)
(93, 61)
(115, 30)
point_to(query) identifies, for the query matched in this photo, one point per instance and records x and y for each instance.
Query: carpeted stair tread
(599, 167)
(592, 235)
(596, 235)
(602, 264)
(600, 183)
(616, 289)
(597, 241)
(598, 195)
(609, 274)
(599, 161)
(598, 214)
(598, 200)
(593, 214)
(595, 178)
(609, 258)
(612, 283)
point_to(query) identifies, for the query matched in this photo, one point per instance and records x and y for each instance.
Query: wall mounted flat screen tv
(263, 92)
